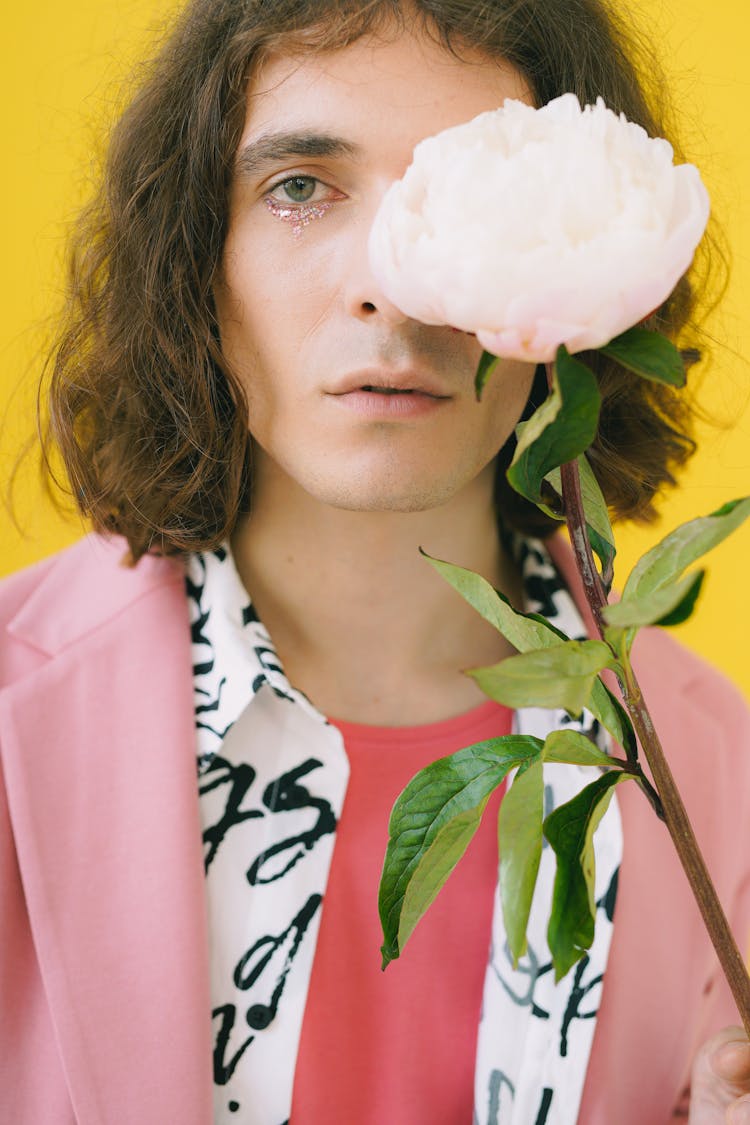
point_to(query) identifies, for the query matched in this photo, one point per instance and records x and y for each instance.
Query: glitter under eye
(299, 215)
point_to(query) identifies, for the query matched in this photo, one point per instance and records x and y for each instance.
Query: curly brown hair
(149, 421)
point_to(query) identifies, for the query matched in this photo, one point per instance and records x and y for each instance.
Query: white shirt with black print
(272, 779)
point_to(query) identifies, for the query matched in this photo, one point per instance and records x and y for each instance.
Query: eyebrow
(269, 148)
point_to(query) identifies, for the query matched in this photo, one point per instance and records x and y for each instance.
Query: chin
(386, 498)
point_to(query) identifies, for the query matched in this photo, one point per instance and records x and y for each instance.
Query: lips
(384, 382)
(392, 391)
(370, 402)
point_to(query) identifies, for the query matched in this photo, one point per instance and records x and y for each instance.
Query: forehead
(378, 91)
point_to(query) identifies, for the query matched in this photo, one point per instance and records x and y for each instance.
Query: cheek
(269, 302)
(505, 396)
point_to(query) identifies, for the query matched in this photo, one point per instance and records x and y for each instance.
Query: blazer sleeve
(721, 1010)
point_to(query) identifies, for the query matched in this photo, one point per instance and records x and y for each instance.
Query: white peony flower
(539, 227)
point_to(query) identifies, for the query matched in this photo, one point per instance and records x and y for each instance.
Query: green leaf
(574, 748)
(620, 640)
(486, 366)
(528, 632)
(560, 676)
(667, 605)
(606, 707)
(453, 789)
(435, 866)
(664, 563)
(684, 609)
(648, 354)
(519, 832)
(563, 427)
(601, 536)
(524, 631)
(570, 831)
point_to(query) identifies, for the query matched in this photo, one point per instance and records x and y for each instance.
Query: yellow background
(61, 82)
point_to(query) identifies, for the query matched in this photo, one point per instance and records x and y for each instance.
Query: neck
(362, 623)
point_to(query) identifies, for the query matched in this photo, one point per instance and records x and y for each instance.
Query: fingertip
(739, 1112)
(731, 1062)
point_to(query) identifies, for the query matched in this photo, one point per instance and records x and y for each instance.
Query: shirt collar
(233, 656)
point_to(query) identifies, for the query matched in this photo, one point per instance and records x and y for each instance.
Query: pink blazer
(104, 996)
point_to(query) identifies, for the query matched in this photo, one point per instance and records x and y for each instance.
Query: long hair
(151, 426)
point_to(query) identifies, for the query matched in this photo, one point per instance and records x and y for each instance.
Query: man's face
(305, 325)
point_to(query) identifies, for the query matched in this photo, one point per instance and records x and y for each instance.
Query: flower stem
(675, 814)
(683, 837)
(576, 520)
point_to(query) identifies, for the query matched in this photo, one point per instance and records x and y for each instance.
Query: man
(365, 444)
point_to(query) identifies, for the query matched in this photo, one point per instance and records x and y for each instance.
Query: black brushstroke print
(258, 959)
(268, 659)
(285, 795)
(249, 616)
(538, 591)
(544, 1108)
(223, 1068)
(497, 1080)
(281, 795)
(608, 899)
(530, 966)
(579, 990)
(239, 778)
(542, 582)
(195, 592)
(272, 673)
(199, 636)
(249, 971)
(214, 705)
(576, 996)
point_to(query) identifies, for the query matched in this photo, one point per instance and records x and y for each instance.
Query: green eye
(300, 189)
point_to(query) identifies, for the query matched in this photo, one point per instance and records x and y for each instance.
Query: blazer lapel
(98, 749)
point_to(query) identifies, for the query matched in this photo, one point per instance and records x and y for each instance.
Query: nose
(382, 309)
(363, 297)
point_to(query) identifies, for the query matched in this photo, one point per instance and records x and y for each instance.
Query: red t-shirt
(397, 1048)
